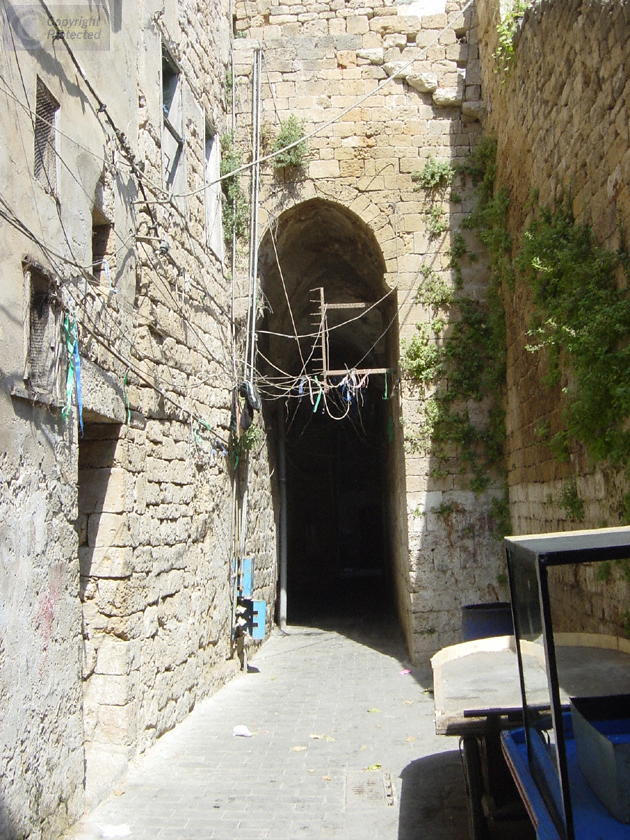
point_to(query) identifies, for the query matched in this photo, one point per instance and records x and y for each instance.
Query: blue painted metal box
(601, 729)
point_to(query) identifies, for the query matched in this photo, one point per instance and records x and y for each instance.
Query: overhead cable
(339, 116)
(102, 107)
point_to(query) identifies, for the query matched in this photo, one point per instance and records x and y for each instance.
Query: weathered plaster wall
(561, 121)
(318, 61)
(115, 545)
(41, 697)
(40, 629)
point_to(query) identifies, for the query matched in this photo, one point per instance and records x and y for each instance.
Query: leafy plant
(502, 521)
(291, 132)
(506, 31)
(604, 571)
(435, 175)
(437, 221)
(444, 509)
(240, 446)
(250, 438)
(571, 502)
(235, 210)
(582, 321)
(423, 358)
(458, 248)
(434, 292)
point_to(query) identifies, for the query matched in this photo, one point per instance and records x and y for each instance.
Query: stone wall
(328, 65)
(115, 582)
(561, 121)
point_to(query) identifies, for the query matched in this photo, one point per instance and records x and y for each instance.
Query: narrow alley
(342, 745)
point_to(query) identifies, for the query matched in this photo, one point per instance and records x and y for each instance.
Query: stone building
(125, 500)
(117, 537)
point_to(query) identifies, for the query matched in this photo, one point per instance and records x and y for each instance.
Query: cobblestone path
(342, 746)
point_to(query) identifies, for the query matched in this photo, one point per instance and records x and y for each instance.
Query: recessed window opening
(170, 81)
(214, 229)
(45, 160)
(173, 126)
(43, 346)
(103, 250)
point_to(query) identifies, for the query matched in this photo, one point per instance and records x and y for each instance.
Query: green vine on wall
(582, 321)
(459, 354)
(434, 180)
(506, 31)
(235, 209)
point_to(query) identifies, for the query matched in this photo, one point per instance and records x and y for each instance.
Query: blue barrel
(482, 620)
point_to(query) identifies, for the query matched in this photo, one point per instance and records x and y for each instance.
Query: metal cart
(478, 699)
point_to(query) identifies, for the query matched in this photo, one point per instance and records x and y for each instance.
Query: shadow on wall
(8, 831)
(433, 799)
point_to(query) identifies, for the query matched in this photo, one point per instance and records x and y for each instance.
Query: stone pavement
(342, 746)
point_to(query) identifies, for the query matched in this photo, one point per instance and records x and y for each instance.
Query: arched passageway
(327, 307)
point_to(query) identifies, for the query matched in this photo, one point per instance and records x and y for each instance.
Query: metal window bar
(45, 164)
(44, 346)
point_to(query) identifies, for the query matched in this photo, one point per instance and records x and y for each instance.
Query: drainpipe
(282, 478)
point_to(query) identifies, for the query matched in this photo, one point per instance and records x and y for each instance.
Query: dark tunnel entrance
(328, 358)
(337, 534)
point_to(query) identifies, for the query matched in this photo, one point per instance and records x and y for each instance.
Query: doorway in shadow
(337, 534)
(328, 355)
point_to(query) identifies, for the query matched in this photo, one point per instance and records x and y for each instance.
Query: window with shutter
(173, 128)
(214, 229)
(43, 346)
(45, 158)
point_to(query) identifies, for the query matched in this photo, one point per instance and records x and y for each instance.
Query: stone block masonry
(561, 121)
(562, 136)
(115, 545)
(116, 542)
(319, 63)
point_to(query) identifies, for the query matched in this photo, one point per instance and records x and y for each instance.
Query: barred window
(45, 162)
(43, 341)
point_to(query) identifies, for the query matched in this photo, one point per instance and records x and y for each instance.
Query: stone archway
(343, 449)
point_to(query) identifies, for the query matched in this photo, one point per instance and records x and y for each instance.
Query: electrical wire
(339, 116)
(131, 159)
(269, 82)
(91, 328)
(335, 326)
(286, 295)
(75, 263)
(78, 299)
(11, 217)
(102, 107)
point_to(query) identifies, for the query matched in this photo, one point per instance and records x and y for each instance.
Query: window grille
(45, 163)
(43, 355)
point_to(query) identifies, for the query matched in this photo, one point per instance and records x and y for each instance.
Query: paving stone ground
(342, 746)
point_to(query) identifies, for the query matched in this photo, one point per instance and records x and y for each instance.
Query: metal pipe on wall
(254, 233)
(282, 479)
